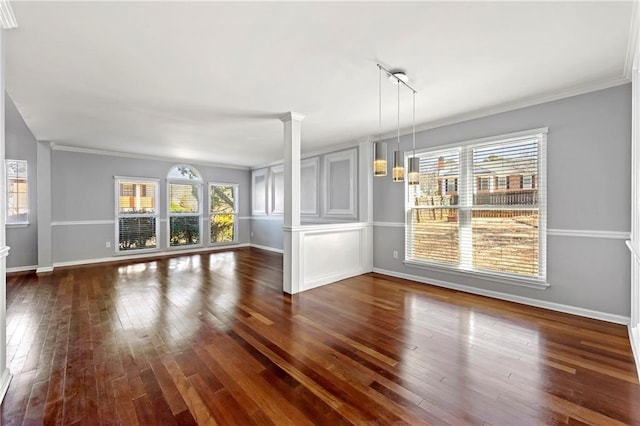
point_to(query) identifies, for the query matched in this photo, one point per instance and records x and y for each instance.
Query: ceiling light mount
(398, 76)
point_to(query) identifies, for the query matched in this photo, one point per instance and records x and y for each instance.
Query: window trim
(199, 183)
(463, 146)
(116, 203)
(236, 190)
(21, 223)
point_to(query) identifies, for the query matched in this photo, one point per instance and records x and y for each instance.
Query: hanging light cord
(398, 114)
(379, 103)
(414, 124)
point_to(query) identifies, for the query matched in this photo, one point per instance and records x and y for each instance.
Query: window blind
(479, 207)
(137, 221)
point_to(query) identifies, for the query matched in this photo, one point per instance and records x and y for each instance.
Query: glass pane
(504, 174)
(17, 208)
(184, 172)
(137, 233)
(184, 231)
(222, 199)
(506, 241)
(222, 228)
(137, 198)
(183, 198)
(435, 235)
(439, 174)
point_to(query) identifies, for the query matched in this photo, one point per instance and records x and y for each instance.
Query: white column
(7, 21)
(365, 197)
(291, 229)
(634, 243)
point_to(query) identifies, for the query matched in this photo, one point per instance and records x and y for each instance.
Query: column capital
(290, 116)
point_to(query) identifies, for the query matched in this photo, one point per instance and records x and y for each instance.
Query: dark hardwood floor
(211, 339)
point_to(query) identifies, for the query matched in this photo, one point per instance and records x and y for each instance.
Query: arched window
(184, 199)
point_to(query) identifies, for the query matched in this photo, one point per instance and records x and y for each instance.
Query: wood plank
(211, 339)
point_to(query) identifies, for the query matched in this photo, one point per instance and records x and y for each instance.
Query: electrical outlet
(108, 244)
(252, 234)
(395, 254)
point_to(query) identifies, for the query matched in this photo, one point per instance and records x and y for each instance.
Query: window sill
(230, 243)
(521, 282)
(130, 252)
(184, 247)
(18, 225)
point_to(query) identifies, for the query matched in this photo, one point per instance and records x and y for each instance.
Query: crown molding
(7, 18)
(631, 61)
(511, 106)
(57, 147)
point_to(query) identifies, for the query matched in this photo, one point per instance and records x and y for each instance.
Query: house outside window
(503, 182)
(184, 198)
(17, 192)
(476, 229)
(137, 216)
(223, 212)
(483, 183)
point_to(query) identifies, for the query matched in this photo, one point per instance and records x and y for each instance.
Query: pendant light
(379, 148)
(413, 176)
(398, 163)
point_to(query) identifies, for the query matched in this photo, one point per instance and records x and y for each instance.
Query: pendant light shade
(413, 176)
(398, 167)
(379, 148)
(379, 159)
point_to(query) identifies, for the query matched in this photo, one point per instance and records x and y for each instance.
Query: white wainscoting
(333, 252)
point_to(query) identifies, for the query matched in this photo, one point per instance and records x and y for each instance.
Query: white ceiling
(206, 81)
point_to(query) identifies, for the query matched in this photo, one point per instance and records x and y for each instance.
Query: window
(450, 185)
(17, 192)
(474, 229)
(223, 209)
(483, 184)
(185, 207)
(136, 214)
(503, 182)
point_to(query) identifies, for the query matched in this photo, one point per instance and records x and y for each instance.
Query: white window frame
(116, 201)
(525, 184)
(484, 180)
(196, 182)
(465, 192)
(502, 183)
(17, 223)
(236, 189)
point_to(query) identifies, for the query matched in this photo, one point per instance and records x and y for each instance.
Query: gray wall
(83, 191)
(331, 190)
(21, 145)
(588, 182)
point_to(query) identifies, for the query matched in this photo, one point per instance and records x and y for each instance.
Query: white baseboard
(329, 279)
(44, 269)
(588, 313)
(275, 250)
(22, 269)
(5, 380)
